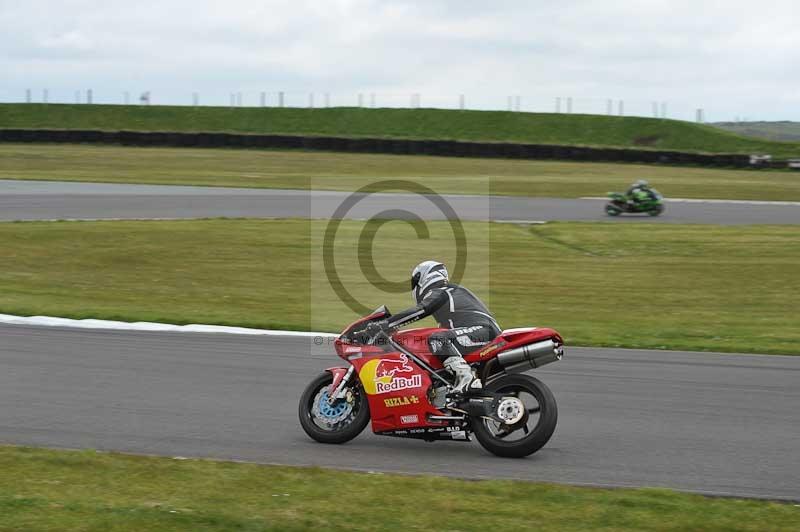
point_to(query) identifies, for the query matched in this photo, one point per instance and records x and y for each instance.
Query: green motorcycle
(652, 203)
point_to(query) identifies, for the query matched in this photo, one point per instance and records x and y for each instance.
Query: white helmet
(642, 183)
(425, 275)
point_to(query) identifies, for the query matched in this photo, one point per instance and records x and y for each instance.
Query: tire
(612, 210)
(537, 437)
(342, 431)
(655, 211)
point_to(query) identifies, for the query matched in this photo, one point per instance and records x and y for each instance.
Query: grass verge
(89, 491)
(500, 126)
(342, 171)
(668, 286)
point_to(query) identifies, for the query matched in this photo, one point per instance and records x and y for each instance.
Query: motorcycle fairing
(397, 392)
(416, 341)
(449, 432)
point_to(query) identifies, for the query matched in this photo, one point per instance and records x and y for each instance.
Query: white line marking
(538, 222)
(48, 321)
(734, 202)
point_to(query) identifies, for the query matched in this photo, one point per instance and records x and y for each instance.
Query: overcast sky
(734, 58)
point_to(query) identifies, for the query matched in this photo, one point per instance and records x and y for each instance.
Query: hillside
(492, 126)
(785, 131)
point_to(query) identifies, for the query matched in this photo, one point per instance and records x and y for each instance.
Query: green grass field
(668, 286)
(104, 492)
(499, 126)
(343, 171)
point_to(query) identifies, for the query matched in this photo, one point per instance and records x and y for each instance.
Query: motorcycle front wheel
(535, 428)
(336, 422)
(612, 210)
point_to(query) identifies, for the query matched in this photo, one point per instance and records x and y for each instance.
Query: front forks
(338, 387)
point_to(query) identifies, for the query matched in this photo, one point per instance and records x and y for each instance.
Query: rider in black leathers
(469, 323)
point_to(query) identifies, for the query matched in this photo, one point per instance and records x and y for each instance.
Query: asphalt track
(45, 200)
(710, 423)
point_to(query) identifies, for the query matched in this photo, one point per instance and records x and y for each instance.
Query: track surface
(722, 424)
(44, 200)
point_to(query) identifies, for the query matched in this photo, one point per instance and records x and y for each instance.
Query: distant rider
(470, 324)
(639, 191)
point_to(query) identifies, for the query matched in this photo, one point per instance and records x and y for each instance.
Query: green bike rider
(639, 198)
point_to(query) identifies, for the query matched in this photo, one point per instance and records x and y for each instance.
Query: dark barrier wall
(449, 148)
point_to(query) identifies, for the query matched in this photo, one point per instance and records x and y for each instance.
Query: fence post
(126, 97)
(280, 99)
(700, 117)
(310, 100)
(609, 107)
(461, 102)
(89, 96)
(558, 104)
(45, 96)
(569, 105)
(263, 99)
(663, 109)
(195, 99)
(327, 99)
(621, 108)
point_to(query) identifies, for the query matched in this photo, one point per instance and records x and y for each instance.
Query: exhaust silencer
(530, 356)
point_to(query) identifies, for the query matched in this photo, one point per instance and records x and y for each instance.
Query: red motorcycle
(394, 380)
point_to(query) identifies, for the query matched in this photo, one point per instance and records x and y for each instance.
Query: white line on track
(48, 321)
(530, 222)
(733, 202)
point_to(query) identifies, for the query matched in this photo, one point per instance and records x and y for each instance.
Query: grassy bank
(342, 171)
(499, 126)
(668, 286)
(88, 491)
(780, 131)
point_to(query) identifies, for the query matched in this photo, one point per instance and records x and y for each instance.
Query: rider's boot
(464, 379)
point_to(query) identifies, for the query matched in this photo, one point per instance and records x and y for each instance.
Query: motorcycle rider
(638, 192)
(469, 323)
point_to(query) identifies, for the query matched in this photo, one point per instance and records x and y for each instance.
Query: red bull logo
(389, 375)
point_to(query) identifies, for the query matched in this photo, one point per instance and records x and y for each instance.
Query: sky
(733, 58)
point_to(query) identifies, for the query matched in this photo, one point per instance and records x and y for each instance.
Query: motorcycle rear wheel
(612, 210)
(339, 422)
(544, 413)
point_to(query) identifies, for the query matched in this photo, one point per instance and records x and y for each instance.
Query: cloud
(732, 57)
